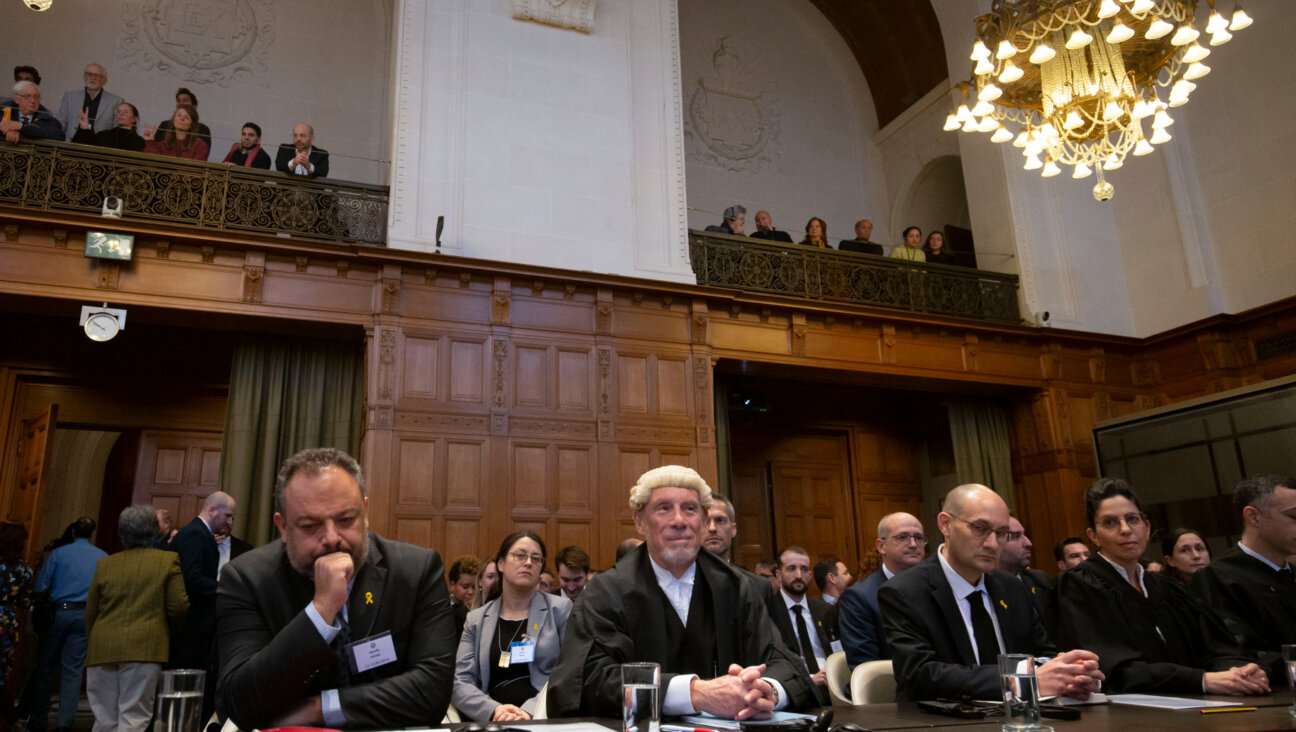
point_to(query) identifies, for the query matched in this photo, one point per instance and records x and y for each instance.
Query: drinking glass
(1020, 693)
(1289, 656)
(180, 700)
(640, 686)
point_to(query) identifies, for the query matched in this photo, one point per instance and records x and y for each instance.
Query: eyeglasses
(1014, 535)
(906, 538)
(1132, 520)
(522, 557)
(982, 529)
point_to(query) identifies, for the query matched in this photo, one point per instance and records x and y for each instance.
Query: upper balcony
(74, 178)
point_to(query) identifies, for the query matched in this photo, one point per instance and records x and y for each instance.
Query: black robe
(1043, 593)
(621, 618)
(1258, 606)
(1101, 612)
(117, 137)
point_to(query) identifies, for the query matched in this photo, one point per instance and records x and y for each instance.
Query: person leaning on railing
(816, 233)
(935, 252)
(179, 140)
(23, 117)
(909, 250)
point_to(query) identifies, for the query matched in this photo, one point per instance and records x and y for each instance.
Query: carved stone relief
(731, 121)
(577, 15)
(213, 42)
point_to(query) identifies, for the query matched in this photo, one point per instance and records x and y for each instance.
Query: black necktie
(1285, 576)
(340, 642)
(803, 633)
(983, 630)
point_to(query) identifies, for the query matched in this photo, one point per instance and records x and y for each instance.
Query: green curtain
(286, 394)
(982, 453)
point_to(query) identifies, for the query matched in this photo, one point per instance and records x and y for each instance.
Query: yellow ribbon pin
(535, 626)
(368, 598)
(1005, 605)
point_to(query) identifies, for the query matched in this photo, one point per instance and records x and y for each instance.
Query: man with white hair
(98, 104)
(25, 118)
(670, 603)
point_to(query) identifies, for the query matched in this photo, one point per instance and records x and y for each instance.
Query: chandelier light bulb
(1048, 132)
(1185, 35)
(963, 113)
(1001, 134)
(1180, 91)
(971, 124)
(1010, 73)
(1142, 109)
(1072, 120)
(1112, 162)
(1240, 19)
(1161, 120)
(979, 51)
(1033, 163)
(989, 93)
(1141, 7)
(1023, 137)
(984, 67)
(1079, 39)
(1120, 33)
(1142, 147)
(1220, 37)
(1050, 169)
(988, 124)
(1006, 50)
(1108, 9)
(981, 109)
(1216, 22)
(1042, 53)
(1160, 136)
(1112, 112)
(1033, 148)
(1081, 171)
(1195, 53)
(1158, 29)
(1196, 71)
(951, 123)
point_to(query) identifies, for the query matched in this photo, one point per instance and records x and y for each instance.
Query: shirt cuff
(332, 708)
(778, 689)
(678, 699)
(326, 631)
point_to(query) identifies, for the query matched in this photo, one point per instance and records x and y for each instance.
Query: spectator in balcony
(765, 229)
(935, 252)
(247, 152)
(186, 98)
(861, 243)
(99, 105)
(22, 73)
(25, 119)
(179, 139)
(735, 221)
(301, 157)
(910, 250)
(121, 137)
(816, 233)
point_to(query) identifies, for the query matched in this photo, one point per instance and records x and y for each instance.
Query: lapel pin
(1005, 605)
(535, 626)
(368, 598)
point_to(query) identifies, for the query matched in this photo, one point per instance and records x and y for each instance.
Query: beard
(678, 555)
(359, 554)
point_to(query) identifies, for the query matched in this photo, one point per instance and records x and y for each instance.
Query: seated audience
(510, 644)
(137, 600)
(1251, 584)
(186, 98)
(669, 602)
(1150, 635)
(735, 221)
(909, 249)
(626, 547)
(23, 117)
(948, 619)
(934, 251)
(462, 579)
(547, 582)
(800, 619)
(832, 578)
(719, 532)
(1069, 552)
(573, 565)
(767, 570)
(301, 157)
(294, 617)
(901, 544)
(765, 229)
(22, 73)
(121, 137)
(1014, 559)
(816, 230)
(247, 152)
(178, 140)
(485, 581)
(861, 243)
(97, 105)
(1184, 552)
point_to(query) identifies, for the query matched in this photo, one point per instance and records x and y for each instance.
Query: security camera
(113, 206)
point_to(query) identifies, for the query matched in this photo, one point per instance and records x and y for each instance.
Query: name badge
(522, 651)
(836, 646)
(371, 652)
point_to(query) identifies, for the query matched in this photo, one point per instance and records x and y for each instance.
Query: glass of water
(1289, 656)
(1020, 693)
(180, 700)
(640, 687)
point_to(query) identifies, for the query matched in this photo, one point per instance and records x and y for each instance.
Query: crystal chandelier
(1072, 82)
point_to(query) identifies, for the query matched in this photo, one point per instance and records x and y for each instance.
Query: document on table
(1095, 698)
(560, 727)
(1167, 702)
(706, 720)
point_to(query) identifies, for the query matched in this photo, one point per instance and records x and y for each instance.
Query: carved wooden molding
(605, 381)
(60, 238)
(457, 424)
(386, 363)
(391, 296)
(342, 267)
(163, 249)
(209, 254)
(252, 279)
(577, 15)
(500, 358)
(971, 349)
(798, 334)
(108, 274)
(551, 428)
(11, 232)
(301, 263)
(500, 302)
(1098, 366)
(888, 344)
(654, 435)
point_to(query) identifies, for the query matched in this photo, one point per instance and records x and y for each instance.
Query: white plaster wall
(538, 144)
(273, 62)
(785, 121)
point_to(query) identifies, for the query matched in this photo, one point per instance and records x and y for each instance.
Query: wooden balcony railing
(66, 177)
(752, 265)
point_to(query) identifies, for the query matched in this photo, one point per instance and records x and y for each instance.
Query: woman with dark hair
(15, 594)
(1185, 553)
(137, 600)
(181, 139)
(462, 579)
(510, 644)
(934, 251)
(816, 233)
(1150, 634)
(121, 137)
(909, 249)
(485, 581)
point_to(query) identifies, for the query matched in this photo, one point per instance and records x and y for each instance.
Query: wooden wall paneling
(177, 469)
(417, 489)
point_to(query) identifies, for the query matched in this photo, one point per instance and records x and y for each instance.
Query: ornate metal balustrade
(66, 177)
(819, 274)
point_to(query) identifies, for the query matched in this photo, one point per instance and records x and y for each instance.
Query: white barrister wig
(669, 476)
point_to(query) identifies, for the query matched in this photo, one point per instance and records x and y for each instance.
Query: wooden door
(750, 497)
(812, 508)
(33, 459)
(176, 471)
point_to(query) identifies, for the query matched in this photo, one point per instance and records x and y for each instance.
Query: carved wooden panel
(168, 466)
(467, 533)
(175, 471)
(417, 531)
(574, 533)
(531, 377)
(575, 381)
(672, 387)
(632, 380)
(467, 371)
(465, 473)
(577, 476)
(420, 368)
(529, 478)
(417, 464)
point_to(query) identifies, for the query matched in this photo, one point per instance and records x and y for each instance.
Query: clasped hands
(1074, 674)
(741, 694)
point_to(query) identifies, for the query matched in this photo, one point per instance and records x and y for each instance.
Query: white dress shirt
(820, 656)
(962, 588)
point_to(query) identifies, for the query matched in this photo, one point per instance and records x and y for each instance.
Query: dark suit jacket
(863, 637)
(1258, 608)
(272, 657)
(930, 647)
(775, 235)
(198, 560)
(238, 156)
(855, 245)
(318, 157)
(238, 547)
(1043, 594)
(43, 125)
(620, 619)
(818, 614)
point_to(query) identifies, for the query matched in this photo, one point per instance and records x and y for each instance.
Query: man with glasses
(901, 544)
(24, 118)
(948, 619)
(1151, 634)
(1015, 559)
(99, 105)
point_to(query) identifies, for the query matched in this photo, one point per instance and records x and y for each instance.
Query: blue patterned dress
(15, 592)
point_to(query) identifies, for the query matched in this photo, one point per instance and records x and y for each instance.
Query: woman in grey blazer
(510, 644)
